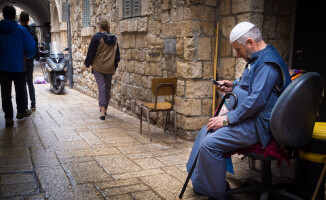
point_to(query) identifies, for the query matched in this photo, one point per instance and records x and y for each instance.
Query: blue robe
(208, 177)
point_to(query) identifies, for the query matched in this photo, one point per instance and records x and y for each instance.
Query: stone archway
(38, 9)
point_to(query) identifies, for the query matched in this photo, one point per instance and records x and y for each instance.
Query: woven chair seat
(159, 106)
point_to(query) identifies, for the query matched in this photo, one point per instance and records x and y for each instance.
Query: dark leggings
(104, 88)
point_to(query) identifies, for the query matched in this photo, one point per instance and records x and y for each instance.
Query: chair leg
(168, 116)
(175, 124)
(266, 175)
(141, 119)
(164, 120)
(251, 163)
(149, 130)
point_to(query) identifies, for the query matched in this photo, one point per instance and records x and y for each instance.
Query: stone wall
(279, 17)
(275, 20)
(176, 38)
(171, 38)
(58, 28)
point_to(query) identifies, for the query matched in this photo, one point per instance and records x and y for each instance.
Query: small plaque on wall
(169, 46)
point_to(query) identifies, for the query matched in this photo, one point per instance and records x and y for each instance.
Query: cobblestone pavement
(63, 151)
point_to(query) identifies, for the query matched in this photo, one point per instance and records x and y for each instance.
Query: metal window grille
(86, 13)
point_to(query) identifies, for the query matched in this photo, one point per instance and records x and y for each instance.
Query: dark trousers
(30, 84)
(19, 79)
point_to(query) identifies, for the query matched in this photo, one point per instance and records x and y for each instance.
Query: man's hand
(227, 86)
(215, 123)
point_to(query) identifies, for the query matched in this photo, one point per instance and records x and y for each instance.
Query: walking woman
(103, 55)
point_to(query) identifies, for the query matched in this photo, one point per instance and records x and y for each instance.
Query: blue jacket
(262, 119)
(265, 77)
(16, 43)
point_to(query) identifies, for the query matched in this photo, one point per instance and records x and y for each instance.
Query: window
(86, 13)
(131, 8)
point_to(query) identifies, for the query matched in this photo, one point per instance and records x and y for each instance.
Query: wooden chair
(161, 87)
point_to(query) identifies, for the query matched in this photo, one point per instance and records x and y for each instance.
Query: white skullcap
(239, 30)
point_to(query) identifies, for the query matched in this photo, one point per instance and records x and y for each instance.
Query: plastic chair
(161, 87)
(292, 123)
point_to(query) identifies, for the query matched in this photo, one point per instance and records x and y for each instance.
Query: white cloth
(239, 30)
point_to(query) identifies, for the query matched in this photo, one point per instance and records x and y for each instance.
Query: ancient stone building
(58, 27)
(174, 38)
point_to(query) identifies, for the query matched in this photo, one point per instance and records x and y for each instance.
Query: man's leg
(29, 80)
(20, 88)
(6, 84)
(209, 175)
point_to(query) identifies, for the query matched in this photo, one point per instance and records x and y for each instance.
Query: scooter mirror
(44, 44)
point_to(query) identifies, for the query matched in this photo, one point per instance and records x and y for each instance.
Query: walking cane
(227, 95)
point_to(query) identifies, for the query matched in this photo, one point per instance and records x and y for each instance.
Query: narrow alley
(63, 151)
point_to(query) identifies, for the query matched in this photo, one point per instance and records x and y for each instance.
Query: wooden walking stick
(227, 95)
(319, 182)
(215, 69)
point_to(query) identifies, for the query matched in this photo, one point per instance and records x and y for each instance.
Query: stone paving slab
(63, 151)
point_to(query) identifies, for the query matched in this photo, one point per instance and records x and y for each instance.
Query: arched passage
(39, 10)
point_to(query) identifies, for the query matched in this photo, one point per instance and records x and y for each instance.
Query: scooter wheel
(59, 89)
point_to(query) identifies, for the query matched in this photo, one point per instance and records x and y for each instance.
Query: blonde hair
(104, 24)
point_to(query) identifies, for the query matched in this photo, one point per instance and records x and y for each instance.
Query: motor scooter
(56, 68)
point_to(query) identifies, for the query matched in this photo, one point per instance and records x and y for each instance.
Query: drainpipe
(70, 72)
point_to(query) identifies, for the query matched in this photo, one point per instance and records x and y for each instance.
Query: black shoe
(102, 117)
(33, 108)
(27, 113)
(9, 122)
(228, 187)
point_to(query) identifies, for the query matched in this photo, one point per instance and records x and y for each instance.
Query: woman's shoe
(102, 117)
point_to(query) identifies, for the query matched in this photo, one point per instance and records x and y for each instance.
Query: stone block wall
(279, 17)
(275, 20)
(171, 38)
(176, 38)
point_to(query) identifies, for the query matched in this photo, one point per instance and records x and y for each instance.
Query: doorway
(309, 44)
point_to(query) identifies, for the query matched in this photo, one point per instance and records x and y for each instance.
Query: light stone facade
(189, 27)
(58, 28)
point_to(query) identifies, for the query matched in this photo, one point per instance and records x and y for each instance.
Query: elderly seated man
(264, 78)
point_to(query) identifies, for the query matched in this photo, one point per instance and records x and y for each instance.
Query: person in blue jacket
(264, 78)
(16, 45)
